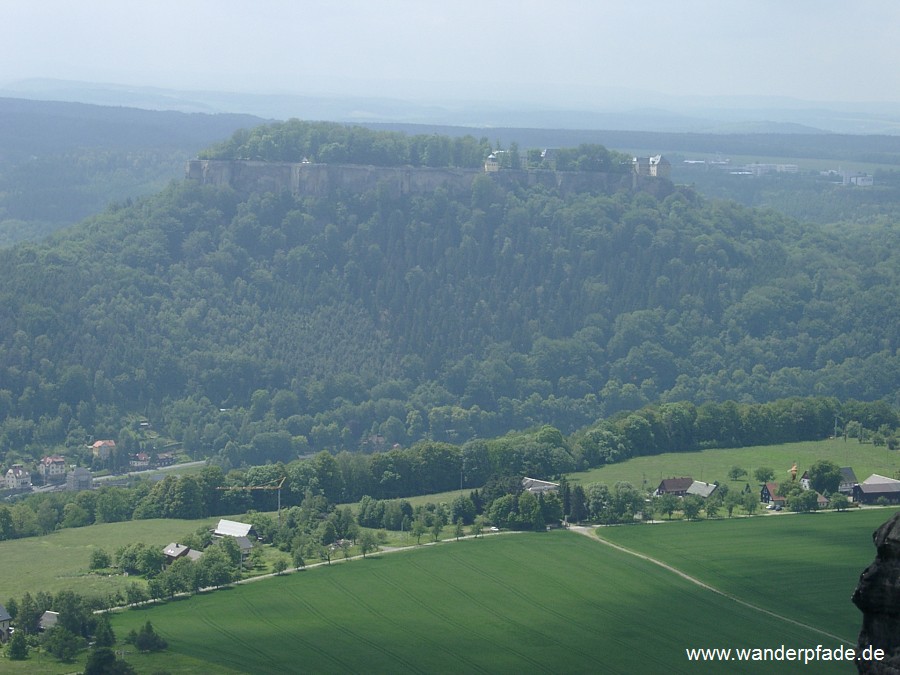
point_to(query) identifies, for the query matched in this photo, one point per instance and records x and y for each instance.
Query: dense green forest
(259, 327)
(331, 143)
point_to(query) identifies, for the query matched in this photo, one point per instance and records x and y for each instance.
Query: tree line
(429, 467)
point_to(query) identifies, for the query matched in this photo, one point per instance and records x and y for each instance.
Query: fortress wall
(319, 180)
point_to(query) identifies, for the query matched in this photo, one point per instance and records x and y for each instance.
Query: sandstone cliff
(878, 597)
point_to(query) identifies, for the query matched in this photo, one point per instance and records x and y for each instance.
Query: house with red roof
(102, 449)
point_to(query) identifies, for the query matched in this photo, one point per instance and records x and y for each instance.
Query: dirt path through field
(589, 532)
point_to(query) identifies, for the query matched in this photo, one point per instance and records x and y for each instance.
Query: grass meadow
(60, 561)
(549, 602)
(713, 465)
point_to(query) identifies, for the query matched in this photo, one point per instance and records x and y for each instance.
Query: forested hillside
(259, 327)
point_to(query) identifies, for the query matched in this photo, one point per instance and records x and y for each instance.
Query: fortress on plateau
(320, 180)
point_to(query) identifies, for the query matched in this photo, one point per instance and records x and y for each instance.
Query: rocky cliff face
(878, 597)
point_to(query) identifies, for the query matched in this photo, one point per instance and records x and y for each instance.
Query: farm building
(537, 486)
(875, 487)
(674, 486)
(233, 528)
(48, 620)
(702, 489)
(243, 534)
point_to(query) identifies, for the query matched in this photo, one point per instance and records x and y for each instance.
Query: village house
(876, 487)
(768, 495)
(5, 620)
(52, 468)
(102, 449)
(17, 478)
(674, 486)
(140, 460)
(174, 551)
(848, 481)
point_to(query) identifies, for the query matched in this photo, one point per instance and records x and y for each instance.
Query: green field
(804, 566)
(554, 602)
(59, 561)
(713, 465)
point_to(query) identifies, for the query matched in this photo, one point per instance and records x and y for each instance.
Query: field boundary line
(590, 532)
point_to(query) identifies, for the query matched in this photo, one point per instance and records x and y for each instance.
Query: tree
(62, 643)
(824, 476)
(736, 473)
(418, 529)
(147, 639)
(803, 501)
(732, 500)
(280, 565)
(750, 502)
(577, 505)
(215, 568)
(691, 505)
(462, 507)
(530, 516)
(74, 613)
(839, 502)
(18, 647)
(648, 510)
(135, 594)
(764, 474)
(459, 529)
(367, 542)
(99, 559)
(75, 516)
(667, 504)
(103, 661)
(478, 527)
(103, 633)
(436, 530)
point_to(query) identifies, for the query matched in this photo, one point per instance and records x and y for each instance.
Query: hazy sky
(820, 50)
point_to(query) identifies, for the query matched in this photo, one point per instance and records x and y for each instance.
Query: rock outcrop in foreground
(878, 597)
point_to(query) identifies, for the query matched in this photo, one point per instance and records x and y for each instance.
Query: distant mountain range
(632, 111)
